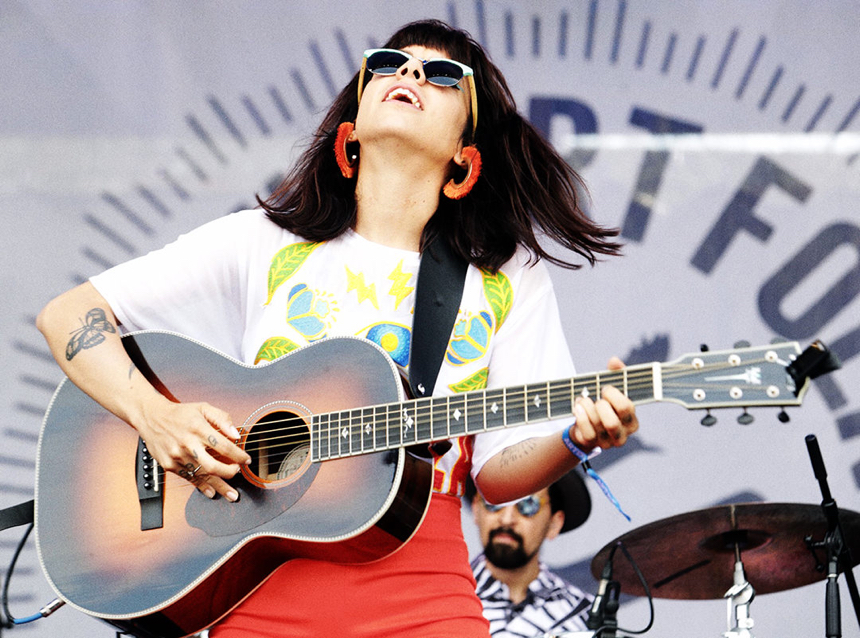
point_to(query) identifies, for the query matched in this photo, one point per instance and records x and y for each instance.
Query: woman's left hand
(607, 422)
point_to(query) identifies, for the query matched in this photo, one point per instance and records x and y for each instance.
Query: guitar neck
(419, 421)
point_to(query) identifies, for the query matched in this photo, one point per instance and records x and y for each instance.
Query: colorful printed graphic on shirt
(394, 339)
(399, 290)
(286, 262)
(472, 335)
(470, 340)
(308, 312)
(273, 348)
(477, 381)
(499, 294)
(451, 470)
(365, 292)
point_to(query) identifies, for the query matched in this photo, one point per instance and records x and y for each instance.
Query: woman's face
(425, 117)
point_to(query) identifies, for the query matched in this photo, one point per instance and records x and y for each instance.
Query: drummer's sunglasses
(528, 506)
(438, 71)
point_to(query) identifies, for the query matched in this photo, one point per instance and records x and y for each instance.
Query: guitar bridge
(150, 488)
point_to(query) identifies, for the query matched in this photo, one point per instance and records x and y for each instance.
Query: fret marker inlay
(494, 408)
(457, 414)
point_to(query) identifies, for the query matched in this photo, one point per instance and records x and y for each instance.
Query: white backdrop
(124, 124)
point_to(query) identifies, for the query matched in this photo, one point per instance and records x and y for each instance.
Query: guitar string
(556, 390)
(517, 402)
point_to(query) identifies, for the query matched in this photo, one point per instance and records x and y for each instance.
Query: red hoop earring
(346, 166)
(454, 190)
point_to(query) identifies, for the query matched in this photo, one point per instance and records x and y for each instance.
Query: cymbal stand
(838, 553)
(738, 598)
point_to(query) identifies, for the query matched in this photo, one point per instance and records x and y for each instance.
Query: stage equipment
(731, 551)
(837, 546)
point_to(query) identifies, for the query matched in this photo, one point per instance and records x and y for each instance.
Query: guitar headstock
(773, 375)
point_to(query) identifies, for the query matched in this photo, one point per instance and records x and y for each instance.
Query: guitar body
(166, 561)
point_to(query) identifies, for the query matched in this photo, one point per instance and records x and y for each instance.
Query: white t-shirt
(254, 291)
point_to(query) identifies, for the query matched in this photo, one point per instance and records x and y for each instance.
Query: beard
(503, 555)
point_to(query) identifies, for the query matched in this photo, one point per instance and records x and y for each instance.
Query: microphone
(598, 607)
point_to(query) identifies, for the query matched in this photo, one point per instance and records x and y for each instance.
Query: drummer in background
(520, 595)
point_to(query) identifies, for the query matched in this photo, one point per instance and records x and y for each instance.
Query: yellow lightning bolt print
(356, 282)
(399, 290)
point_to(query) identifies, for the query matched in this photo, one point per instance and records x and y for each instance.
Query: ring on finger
(189, 474)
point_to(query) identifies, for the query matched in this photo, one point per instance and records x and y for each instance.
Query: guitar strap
(441, 277)
(16, 515)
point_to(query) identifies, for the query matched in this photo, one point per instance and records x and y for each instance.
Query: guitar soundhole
(279, 444)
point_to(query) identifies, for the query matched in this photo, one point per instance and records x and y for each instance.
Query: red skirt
(424, 590)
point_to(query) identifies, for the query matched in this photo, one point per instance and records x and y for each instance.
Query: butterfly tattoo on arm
(90, 334)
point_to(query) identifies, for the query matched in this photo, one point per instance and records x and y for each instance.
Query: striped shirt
(552, 605)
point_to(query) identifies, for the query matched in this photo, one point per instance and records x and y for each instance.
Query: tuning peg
(704, 347)
(708, 420)
(743, 343)
(746, 418)
(783, 416)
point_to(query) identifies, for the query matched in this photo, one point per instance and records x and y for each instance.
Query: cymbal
(691, 556)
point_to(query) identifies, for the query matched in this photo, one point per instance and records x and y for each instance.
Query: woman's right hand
(196, 441)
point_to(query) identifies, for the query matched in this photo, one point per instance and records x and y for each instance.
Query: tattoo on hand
(213, 442)
(90, 334)
(192, 474)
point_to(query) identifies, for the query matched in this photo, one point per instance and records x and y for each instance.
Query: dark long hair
(525, 189)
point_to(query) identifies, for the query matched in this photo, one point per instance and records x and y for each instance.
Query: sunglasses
(528, 506)
(438, 71)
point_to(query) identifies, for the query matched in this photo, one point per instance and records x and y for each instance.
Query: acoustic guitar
(328, 429)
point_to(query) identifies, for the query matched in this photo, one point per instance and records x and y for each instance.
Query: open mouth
(401, 94)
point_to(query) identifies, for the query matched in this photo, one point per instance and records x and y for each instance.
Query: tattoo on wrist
(90, 334)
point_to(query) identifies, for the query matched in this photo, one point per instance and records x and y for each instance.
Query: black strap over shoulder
(441, 277)
(16, 515)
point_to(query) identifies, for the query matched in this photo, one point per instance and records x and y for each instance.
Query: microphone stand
(602, 617)
(610, 611)
(838, 553)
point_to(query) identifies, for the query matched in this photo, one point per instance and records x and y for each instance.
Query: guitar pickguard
(255, 506)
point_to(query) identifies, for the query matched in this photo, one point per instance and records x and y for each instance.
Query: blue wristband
(565, 436)
(583, 458)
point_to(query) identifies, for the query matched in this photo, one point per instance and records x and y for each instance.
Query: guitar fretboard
(419, 421)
